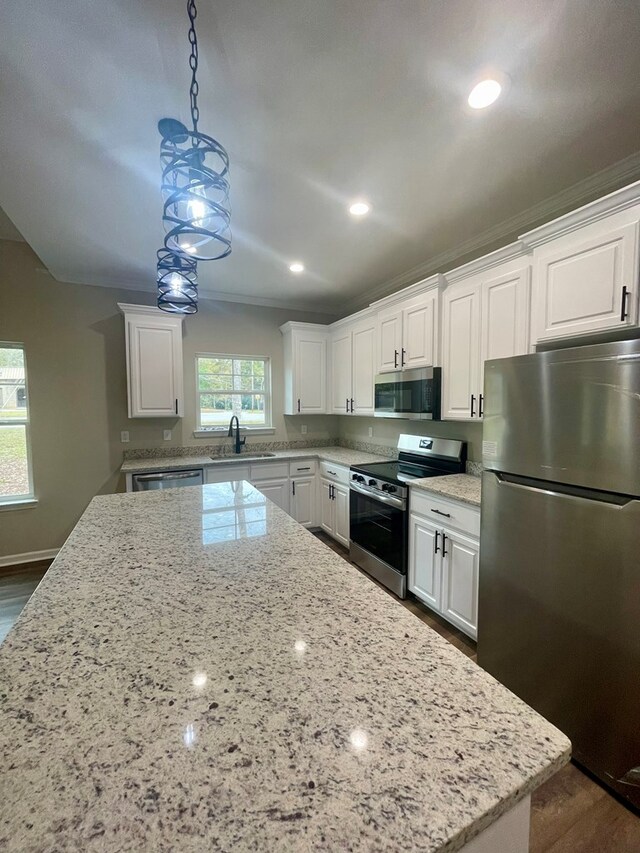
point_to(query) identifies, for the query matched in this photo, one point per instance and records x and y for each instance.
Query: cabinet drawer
(335, 473)
(303, 468)
(269, 471)
(446, 513)
(225, 473)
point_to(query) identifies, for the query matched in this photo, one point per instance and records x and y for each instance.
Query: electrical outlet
(124, 436)
(370, 432)
(303, 429)
(167, 435)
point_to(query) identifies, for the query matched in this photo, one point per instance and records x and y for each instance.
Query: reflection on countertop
(459, 487)
(170, 687)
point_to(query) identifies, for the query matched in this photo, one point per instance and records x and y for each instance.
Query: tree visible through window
(15, 468)
(233, 385)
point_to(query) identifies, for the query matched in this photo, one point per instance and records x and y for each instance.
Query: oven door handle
(377, 496)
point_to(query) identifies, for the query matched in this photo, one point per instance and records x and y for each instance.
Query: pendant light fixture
(195, 192)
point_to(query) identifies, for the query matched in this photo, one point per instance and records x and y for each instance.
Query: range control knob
(373, 483)
(387, 487)
(358, 478)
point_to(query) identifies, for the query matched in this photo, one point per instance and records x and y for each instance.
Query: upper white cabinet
(154, 362)
(407, 328)
(484, 316)
(585, 269)
(352, 369)
(305, 368)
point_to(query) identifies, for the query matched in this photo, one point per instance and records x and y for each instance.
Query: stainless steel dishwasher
(167, 480)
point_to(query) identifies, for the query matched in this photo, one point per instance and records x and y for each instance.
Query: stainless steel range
(378, 504)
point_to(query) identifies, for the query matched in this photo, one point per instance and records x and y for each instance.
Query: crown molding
(592, 212)
(577, 194)
(508, 253)
(417, 289)
(146, 310)
(293, 325)
(352, 319)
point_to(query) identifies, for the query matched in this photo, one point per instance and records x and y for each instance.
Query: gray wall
(74, 338)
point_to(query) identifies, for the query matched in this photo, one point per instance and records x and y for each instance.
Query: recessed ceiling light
(483, 94)
(359, 208)
(296, 266)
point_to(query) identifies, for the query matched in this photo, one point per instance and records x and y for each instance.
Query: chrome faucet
(239, 441)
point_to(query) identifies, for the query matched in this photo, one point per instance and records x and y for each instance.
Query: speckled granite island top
(337, 455)
(197, 672)
(460, 487)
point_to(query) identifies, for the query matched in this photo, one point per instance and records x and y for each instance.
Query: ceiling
(318, 103)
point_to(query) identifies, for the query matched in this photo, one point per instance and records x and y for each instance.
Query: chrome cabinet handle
(439, 512)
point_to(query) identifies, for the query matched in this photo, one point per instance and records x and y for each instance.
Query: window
(15, 455)
(233, 385)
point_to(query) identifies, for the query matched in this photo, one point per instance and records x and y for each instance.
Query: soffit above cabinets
(318, 104)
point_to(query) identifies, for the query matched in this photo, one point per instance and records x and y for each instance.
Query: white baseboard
(29, 557)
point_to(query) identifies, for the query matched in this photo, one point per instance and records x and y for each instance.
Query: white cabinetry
(407, 329)
(585, 270)
(353, 367)
(334, 501)
(444, 549)
(485, 314)
(305, 368)
(226, 473)
(272, 479)
(302, 493)
(154, 362)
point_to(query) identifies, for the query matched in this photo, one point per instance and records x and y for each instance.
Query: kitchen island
(198, 672)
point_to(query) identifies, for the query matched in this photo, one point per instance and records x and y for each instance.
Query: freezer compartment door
(569, 416)
(559, 616)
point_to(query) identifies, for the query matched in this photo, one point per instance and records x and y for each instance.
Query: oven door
(408, 394)
(379, 525)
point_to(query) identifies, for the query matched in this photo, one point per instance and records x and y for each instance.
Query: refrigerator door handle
(571, 492)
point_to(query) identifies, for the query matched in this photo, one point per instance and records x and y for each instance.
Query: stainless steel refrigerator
(559, 600)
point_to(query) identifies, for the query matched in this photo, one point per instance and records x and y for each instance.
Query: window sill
(24, 503)
(222, 432)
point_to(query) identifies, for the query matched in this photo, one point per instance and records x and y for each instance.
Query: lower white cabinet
(443, 561)
(276, 490)
(302, 500)
(225, 473)
(334, 510)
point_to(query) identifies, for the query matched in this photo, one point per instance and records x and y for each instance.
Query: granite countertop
(197, 671)
(339, 455)
(460, 487)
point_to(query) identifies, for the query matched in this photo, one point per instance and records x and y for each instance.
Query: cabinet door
(389, 340)
(461, 351)
(276, 490)
(578, 284)
(154, 360)
(226, 473)
(460, 582)
(363, 370)
(310, 369)
(425, 563)
(303, 501)
(326, 507)
(341, 385)
(419, 331)
(504, 316)
(341, 515)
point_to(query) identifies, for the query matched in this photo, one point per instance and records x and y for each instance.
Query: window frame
(8, 501)
(204, 430)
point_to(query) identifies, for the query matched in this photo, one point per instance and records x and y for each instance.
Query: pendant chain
(193, 63)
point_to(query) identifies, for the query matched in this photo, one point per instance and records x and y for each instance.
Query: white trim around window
(233, 374)
(14, 412)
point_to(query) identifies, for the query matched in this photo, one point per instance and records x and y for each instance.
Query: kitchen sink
(238, 457)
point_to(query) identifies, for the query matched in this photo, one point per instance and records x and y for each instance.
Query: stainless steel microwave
(413, 395)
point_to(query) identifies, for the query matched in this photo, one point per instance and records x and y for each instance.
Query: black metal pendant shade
(195, 192)
(177, 283)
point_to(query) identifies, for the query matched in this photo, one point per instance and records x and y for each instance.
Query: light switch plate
(124, 436)
(303, 429)
(166, 434)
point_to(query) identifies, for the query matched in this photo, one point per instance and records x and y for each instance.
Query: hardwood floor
(17, 584)
(571, 813)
